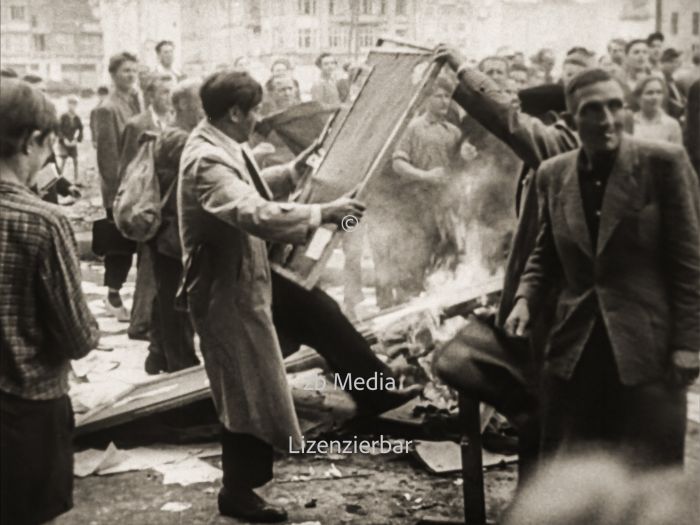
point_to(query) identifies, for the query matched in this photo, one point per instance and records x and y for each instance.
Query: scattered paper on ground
(442, 457)
(115, 461)
(92, 461)
(176, 506)
(188, 472)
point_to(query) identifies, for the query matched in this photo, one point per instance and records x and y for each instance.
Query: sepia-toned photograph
(349, 262)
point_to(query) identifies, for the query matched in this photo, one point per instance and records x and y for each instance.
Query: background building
(73, 39)
(138, 25)
(59, 41)
(679, 21)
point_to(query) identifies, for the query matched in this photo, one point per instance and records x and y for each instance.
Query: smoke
(427, 238)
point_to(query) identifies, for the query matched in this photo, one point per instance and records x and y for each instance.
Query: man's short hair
(670, 54)
(584, 79)
(519, 67)
(23, 110)
(8, 72)
(184, 90)
(498, 58)
(152, 82)
(285, 62)
(319, 59)
(103, 90)
(579, 51)
(162, 43)
(618, 41)
(72, 99)
(224, 90)
(116, 61)
(286, 78)
(32, 79)
(633, 43)
(655, 37)
(577, 60)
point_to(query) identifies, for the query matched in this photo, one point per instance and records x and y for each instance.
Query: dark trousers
(117, 266)
(313, 318)
(246, 461)
(594, 410)
(36, 459)
(172, 334)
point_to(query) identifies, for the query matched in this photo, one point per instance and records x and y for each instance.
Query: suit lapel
(573, 207)
(621, 187)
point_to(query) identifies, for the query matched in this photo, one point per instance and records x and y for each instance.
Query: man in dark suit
(110, 120)
(156, 117)
(619, 221)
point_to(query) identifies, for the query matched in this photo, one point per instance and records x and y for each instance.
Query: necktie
(255, 175)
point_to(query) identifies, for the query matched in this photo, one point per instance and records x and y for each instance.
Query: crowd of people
(601, 260)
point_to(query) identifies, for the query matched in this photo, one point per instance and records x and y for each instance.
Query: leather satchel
(106, 238)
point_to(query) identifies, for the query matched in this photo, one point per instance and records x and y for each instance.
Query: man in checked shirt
(44, 319)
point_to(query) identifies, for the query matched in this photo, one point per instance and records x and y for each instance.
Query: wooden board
(356, 148)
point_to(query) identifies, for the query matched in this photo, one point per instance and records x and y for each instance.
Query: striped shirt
(44, 318)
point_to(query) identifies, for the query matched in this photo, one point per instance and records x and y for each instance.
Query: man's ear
(31, 139)
(234, 114)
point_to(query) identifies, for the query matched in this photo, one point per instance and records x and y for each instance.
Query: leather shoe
(155, 364)
(245, 504)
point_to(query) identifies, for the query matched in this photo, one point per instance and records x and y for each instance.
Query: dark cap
(670, 54)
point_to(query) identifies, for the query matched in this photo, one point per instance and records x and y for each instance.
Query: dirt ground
(381, 490)
(388, 490)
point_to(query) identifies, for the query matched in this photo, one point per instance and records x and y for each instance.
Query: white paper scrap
(176, 506)
(91, 461)
(188, 472)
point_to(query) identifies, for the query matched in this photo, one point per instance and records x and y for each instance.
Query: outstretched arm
(529, 138)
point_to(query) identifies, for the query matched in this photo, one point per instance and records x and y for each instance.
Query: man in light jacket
(226, 212)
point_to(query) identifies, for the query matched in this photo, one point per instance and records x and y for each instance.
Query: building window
(674, 23)
(382, 7)
(366, 7)
(696, 24)
(338, 37)
(366, 37)
(306, 38)
(34, 21)
(18, 12)
(401, 7)
(331, 7)
(40, 42)
(77, 68)
(307, 7)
